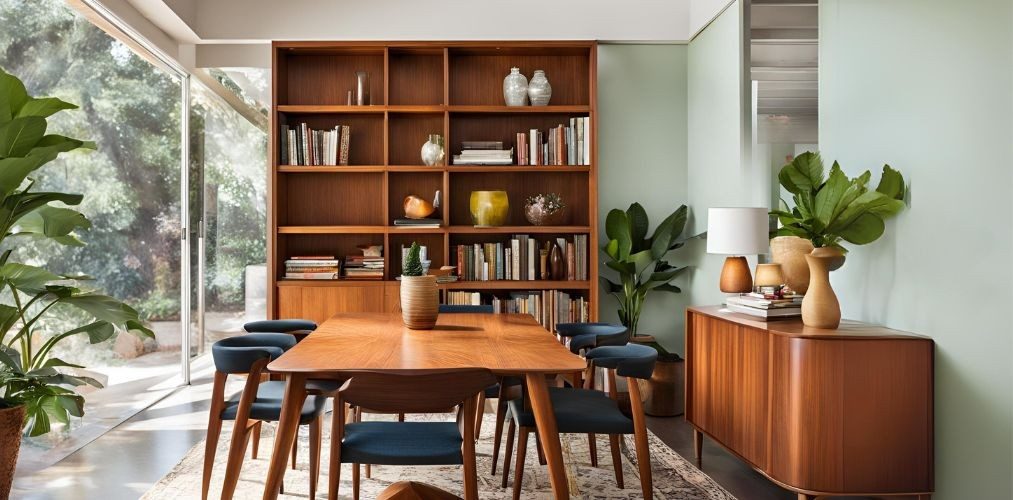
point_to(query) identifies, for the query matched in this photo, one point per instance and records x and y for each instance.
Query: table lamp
(768, 275)
(737, 232)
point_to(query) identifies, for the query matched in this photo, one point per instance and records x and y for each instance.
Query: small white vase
(539, 90)
(432, 151)
(515, 88)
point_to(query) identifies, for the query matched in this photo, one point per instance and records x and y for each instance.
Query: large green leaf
(668, 231)
(830, 194)
(73, 403)
(98, 331)
(891, 183)
(19, 136)
(609, 285)
(12, 95)
(803, 174)
(617, 227)
(54, 144)
(44, 106)
(13, 171)
(26, 278)
(106, 308)
(53, 222)
(10, 358)
(57, 362)
(863, 230)
(668, 287)
(39, 419)
(638, 225)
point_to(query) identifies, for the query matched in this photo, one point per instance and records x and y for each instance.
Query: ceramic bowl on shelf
(489, 208)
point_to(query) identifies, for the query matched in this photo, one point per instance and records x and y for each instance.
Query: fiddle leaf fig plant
(29, 373)
(835, 208)
(639, 260)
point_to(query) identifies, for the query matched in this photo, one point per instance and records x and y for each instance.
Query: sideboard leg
(803, 496)
(925, 497)
(698, 447)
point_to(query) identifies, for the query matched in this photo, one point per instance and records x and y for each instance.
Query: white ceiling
(235, 22)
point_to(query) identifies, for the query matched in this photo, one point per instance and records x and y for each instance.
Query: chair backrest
(607, 332)
(280, 326)
(453, 308)
(238, 354)
(630, 360)
(415, 391)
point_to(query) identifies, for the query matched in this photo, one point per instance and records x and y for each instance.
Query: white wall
(927, 86)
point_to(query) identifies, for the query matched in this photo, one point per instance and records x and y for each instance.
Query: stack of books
(560, 145)
(755, 304)
(313, 267)
(519, 259)
(406, 223)
(484, 153)
(301, 145)
(358, 267)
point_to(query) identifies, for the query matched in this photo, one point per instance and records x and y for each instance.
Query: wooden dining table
(506, 344)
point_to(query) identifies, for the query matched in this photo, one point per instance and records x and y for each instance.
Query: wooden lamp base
(735, 276)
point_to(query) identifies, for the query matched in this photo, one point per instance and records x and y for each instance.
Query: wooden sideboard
(819, 412)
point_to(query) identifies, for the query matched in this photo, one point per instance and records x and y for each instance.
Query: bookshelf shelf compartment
(419, 88)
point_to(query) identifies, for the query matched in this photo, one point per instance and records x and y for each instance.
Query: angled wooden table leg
(291, 408)
(545, 421)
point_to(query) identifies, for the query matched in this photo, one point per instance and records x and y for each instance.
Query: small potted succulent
(420, 298)
(545, 209)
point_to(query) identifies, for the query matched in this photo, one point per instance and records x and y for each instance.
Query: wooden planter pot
(420, 302)
(12, 421)
(663, 394)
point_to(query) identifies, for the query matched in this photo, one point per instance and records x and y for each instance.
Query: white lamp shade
(738, 231)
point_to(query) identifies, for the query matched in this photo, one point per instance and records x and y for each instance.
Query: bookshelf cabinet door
(318, 303)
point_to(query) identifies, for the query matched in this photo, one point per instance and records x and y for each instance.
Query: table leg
(291, 407)
(545, 420)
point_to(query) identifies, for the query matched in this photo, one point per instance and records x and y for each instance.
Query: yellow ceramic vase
(489, 208)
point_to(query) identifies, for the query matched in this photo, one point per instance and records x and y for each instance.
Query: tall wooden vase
(420, 302)
(820, 307)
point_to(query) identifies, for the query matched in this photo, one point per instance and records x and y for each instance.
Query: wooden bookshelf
(418, 88)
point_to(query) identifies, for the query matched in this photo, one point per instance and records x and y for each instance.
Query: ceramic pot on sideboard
(663, 394)
(790, 252)
(820, 308)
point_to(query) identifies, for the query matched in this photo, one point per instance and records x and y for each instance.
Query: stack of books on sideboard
(358, 267)
(765, 306)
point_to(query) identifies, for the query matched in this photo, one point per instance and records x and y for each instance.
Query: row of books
(359, 267)
(762, 306)
(313, 267)
(559, 145)
(549, 307)
(523, 258)
(301, 145)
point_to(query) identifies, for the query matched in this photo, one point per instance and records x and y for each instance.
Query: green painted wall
(718, 176)
(642, 129)
(927, 86)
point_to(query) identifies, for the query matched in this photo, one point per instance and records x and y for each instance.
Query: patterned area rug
(674, 477)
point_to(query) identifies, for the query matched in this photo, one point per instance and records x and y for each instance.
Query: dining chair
(503, 390)
(584, 411)
(258, 401)
(408, 443)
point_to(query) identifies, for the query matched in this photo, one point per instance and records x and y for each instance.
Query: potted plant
(828, 211)
(641, 266)
(35, 390)
(420, 298)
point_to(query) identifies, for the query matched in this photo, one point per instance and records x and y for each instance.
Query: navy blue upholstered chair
(297, 327)
(582, 411)
(408, 443)
(587, 335)
(259, 401)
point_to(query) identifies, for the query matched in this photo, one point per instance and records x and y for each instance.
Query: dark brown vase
(556, 263)
(12, 420)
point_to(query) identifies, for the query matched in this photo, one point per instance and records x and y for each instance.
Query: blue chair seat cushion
(268, 404)
(402, 443)
(578, 411)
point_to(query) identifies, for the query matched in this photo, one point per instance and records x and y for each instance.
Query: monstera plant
(33, 381)
(639, 260)
(835, 208)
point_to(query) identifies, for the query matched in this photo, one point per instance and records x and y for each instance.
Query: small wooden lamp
(737, 232)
